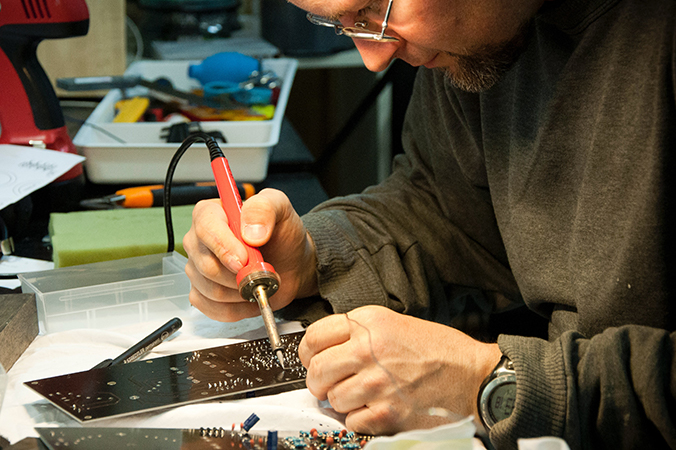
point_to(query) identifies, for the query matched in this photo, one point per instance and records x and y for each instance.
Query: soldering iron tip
(280, 357)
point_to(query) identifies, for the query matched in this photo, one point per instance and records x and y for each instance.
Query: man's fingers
(223, 289)
(210, 233)
(327, 332)
(330, 367)
(221, 311)
(376, 419)
(358, 390)
(261, 213)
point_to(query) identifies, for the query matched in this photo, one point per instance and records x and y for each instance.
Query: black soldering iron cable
(212, 146)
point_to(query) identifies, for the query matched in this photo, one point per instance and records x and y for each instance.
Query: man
(538, 169)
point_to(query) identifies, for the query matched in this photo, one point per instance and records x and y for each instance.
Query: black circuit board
(196, 439)
(231, 370)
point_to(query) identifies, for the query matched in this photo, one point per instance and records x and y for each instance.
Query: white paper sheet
(453, 436)
(25, 169)
(12, 264)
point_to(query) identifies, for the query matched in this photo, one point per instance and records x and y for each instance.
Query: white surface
(144, 157)
(454, 436)
(543, 443)
(26, 169)
(10, 284)
(12, 264)
(200, 48)
(77, 350)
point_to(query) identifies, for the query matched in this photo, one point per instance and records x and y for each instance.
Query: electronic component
(243, 368)
(90, 438)
(250, 422)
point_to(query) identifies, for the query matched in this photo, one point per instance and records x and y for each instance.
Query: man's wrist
(308, 286)
(485, 365)
(497, 394)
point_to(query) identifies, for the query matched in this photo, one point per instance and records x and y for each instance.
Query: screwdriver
(257, 281)
(153, 195)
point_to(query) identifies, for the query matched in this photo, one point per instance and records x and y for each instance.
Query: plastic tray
(144, 156)
(110, 294)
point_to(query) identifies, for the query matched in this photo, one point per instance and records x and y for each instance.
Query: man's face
(473, 41)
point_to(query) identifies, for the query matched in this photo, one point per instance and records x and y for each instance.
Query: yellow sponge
(85, 237)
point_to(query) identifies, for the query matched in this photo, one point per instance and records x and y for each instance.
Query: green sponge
(85, 237)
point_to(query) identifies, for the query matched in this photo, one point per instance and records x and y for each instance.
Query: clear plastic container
(109, 294)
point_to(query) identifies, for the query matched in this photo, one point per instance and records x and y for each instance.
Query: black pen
(146, 344)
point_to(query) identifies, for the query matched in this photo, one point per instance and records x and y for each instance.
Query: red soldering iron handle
(232, 205)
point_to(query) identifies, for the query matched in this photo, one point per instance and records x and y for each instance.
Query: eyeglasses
(359, 30)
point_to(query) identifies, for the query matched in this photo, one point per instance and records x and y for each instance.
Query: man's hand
(215, 255)
(385, 370)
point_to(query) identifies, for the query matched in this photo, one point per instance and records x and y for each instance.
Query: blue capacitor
(272, 440)
(250, 422)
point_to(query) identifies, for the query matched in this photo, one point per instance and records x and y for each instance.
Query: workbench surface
(78, 350)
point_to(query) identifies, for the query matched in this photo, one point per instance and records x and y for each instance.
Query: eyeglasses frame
(356, 32)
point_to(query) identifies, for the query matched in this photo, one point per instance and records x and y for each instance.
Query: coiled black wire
(214, 152)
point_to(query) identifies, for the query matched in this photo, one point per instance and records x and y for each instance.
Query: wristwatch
(497, 394)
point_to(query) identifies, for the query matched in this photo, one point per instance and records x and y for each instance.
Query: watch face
(501, 401)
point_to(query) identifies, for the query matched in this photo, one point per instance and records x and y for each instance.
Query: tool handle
(149, 342)
(185, 195)
(188, 194)
(96, 83)
(232, 204)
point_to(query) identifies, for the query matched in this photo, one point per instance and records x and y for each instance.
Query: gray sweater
(554, 189)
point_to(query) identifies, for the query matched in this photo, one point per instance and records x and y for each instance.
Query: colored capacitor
(250, 422)
(272, 440)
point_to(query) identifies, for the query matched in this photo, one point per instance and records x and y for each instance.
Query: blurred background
(348, 117)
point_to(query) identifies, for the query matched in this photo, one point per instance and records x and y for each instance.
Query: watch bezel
(502, 374)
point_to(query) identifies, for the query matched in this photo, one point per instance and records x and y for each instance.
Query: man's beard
(480, 70)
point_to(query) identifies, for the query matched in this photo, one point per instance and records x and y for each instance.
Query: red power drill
(30, 113)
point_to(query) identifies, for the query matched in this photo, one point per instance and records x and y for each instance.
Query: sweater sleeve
(425, 241)
(616, 390)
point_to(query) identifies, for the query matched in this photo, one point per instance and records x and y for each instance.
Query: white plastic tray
(144, 157)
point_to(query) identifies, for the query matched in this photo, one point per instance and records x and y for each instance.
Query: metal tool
(161, 89)
(30, 113)
(6, 241)
(257, 281)
(153, 195)
(257, 89)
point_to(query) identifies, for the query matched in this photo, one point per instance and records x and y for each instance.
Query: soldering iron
(257, 281)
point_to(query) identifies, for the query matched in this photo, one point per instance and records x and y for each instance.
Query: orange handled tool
(257, 281)
(148, 196)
